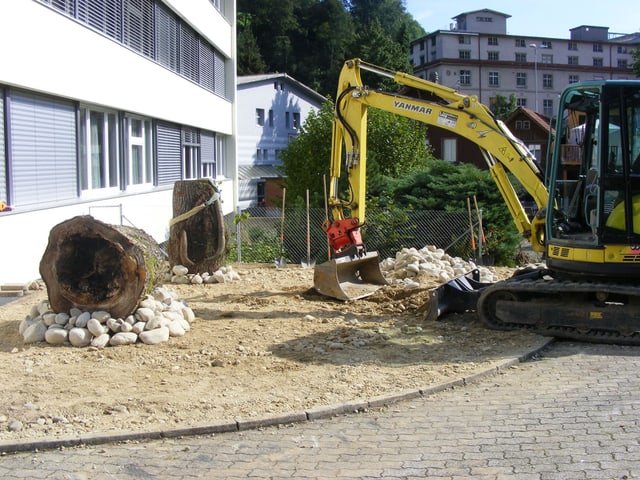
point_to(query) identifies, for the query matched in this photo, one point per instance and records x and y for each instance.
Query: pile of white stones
(410, 264)
(158, 317)
(180, 274)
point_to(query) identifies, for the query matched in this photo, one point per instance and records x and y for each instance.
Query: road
(571, 413)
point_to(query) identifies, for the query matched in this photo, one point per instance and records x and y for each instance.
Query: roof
(260, 78)
(540, 120)
(483, 10)
(248, 172)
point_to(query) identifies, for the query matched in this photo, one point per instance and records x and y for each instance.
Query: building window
(493, 56)
(521, 102)
(494, 79)
(271, 118)
(547, 80)
(523, 124)
(547, 107)
(139, 159)
(573, 60)
(151, 29)
(190, 153)
(99, 157)
(521, 79)
(464, 40)
(492, 41)
(598, 62)
(260, 117)
(622, 49)
(521, 58)
(546, 58)
(449, 150)
(574, 79)
(623, 63)
(464, 54)
(597, 47)
(573, 46)
(296, 120)
(520, 43)
(465, 77)
(545, 44)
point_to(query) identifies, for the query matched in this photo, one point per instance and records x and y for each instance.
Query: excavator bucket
(458, 295)
(346, 278)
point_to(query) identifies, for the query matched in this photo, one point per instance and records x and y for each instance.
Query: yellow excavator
(587, 224)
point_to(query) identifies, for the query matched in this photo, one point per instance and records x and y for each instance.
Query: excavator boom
(445, 108)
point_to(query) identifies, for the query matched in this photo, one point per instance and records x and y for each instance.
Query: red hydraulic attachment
(344, 234)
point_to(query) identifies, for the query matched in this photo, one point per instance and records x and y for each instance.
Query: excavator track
(591, 311)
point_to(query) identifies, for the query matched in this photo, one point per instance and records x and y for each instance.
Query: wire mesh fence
(262, 237)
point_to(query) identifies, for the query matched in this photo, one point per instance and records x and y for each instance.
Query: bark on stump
(198, 237)
(94, 266)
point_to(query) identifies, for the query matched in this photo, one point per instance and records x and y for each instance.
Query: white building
(477, 57)
(271, 110)
(104, 104)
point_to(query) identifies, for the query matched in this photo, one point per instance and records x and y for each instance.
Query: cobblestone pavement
(572, 413)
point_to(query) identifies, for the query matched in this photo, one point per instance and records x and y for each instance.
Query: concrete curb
(239, 425)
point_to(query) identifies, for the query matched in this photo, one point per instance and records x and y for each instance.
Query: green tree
(441, 185)
(503, 106)
(635, 53)
(395, 147)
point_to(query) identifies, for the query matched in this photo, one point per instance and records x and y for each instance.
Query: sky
(544, 18)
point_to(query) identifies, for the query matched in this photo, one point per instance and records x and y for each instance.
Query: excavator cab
(593, 177)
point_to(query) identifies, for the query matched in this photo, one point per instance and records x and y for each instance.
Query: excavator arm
(438, 106)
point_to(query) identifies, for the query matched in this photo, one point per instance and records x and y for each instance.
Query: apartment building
(476, 56)
(104, 104)
(271, 110)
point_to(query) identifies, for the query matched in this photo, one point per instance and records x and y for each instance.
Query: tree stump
(94, 266)
(198, 237)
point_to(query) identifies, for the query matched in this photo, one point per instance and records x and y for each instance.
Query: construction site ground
(264, 345)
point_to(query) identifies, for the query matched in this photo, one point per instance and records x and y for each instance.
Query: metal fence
(257, 237)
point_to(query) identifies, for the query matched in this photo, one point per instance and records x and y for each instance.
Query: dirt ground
(263, 345)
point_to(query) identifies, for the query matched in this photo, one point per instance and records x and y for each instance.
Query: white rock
(101, 341)
(197, 280)
(219, 276)
(95, 327)
(79, 337)
(43, 307)
(35, 332)
(126, 327)
(62, 318)
(144, 314)
(138, 327)
(26, 322)
(188, 314)
(49, 318)
(180, 270)
(180, 279)
(148, 302)
(101, 316)
(155, 336)
(75, 312)
(123, 338)
(114, 324)
(82, 319)
(56, 335)
(175, 329)
(156, 322)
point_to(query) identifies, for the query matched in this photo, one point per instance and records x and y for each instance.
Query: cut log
(198, 237)
(94, 266)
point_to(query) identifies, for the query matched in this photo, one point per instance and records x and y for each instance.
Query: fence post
(239, 238)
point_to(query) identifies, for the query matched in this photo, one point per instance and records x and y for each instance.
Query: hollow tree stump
(95, 266)
(198, 237)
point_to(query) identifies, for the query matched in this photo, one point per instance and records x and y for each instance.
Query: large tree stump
(198, 237)
(95, 266)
